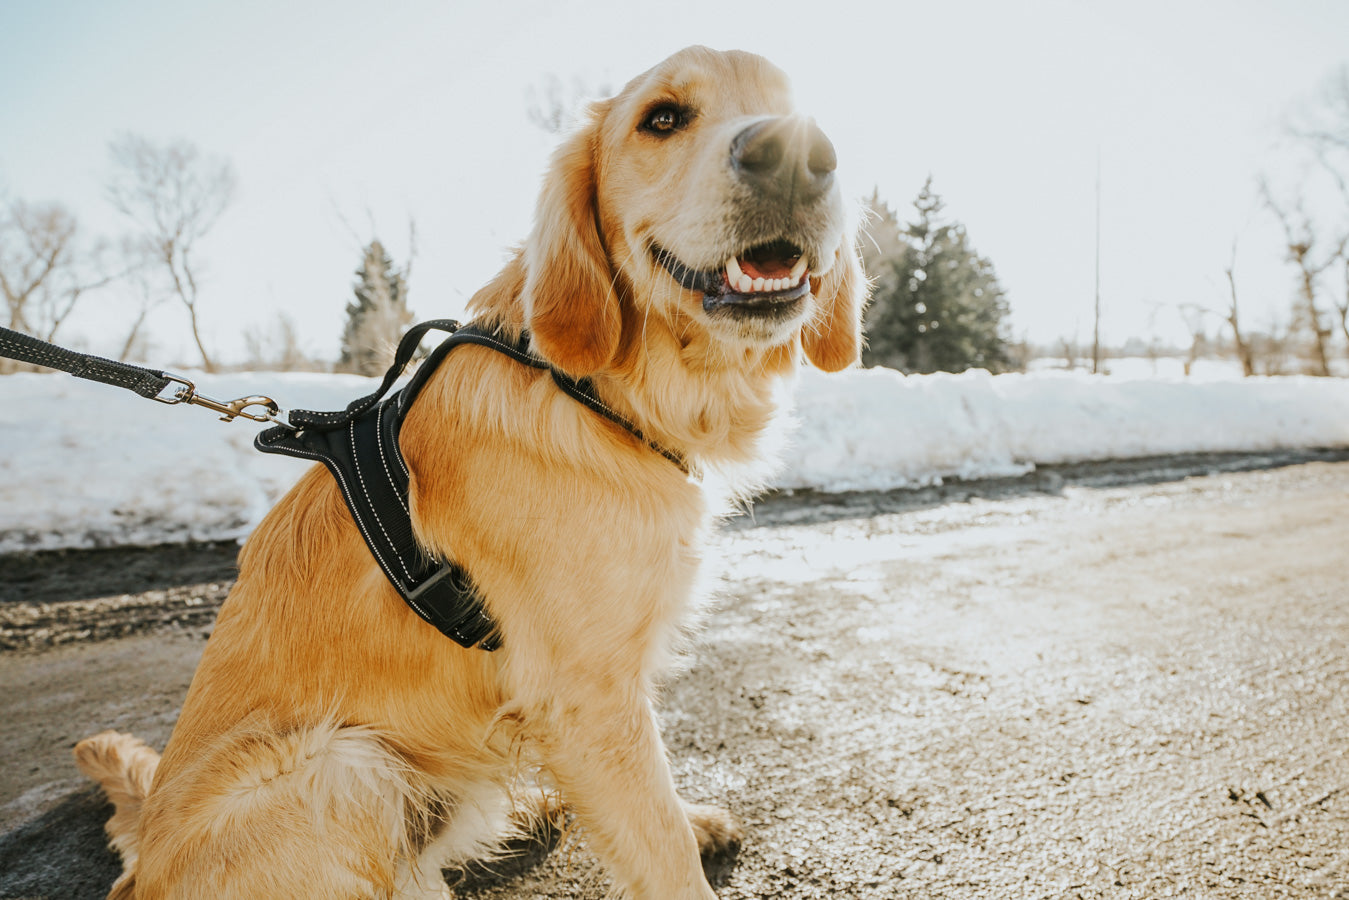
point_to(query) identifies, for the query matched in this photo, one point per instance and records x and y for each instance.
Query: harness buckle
(229, 409)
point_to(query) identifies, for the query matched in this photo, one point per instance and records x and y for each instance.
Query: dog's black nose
(787, 158)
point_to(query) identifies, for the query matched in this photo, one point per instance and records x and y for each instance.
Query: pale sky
(343, 115)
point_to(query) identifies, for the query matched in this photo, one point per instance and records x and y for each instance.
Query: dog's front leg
(605, 751)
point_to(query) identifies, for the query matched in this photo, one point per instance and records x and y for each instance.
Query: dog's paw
(718, 832)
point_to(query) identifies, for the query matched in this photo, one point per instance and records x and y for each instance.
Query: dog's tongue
(769, 261)
(768, 268)
(772, 267)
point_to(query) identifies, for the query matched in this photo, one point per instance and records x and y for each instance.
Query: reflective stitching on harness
(510, 351)
(602, 405)
(351, 431)
(327, 416)
(365, 535)
(591, 401)
(379, 440)
(588, 398)
(346, 489)
(395, 451)
(417, 607)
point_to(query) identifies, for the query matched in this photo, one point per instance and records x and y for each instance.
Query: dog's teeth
(737, 280)
(733, 272)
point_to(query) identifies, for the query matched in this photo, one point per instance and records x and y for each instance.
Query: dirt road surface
(1134, 691)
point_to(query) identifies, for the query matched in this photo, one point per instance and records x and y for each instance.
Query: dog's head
(697, 197)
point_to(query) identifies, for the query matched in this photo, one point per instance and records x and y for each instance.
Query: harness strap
(581, 390)
(359, 446)
(25, 348)
(308, 418)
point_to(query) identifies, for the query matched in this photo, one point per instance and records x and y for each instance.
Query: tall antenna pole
(1096, 328)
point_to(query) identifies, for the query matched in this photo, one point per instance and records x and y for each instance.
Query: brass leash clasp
(229, 409)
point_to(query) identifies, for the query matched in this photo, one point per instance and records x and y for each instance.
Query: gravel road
(1086, 685)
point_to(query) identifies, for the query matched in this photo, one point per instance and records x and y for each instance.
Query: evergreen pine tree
(936, 304)
(378, 316)
(884, 248)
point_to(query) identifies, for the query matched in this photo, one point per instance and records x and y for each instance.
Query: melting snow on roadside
(869, 429)
(85, 465)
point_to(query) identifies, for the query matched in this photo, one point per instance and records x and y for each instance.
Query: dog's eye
(665, 119)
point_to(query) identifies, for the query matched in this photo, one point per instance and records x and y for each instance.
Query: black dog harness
(359, 445)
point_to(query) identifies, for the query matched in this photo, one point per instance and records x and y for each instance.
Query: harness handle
(407, 346)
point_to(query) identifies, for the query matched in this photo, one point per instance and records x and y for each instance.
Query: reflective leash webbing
(25, 348)
(149, 383)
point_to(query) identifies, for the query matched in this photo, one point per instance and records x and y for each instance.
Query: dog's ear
(832, 339)
(570, 304)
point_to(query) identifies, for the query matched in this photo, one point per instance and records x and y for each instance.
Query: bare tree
(1269, 349)
(174, 195)
(1096, 317)
(46, 266)
(1195, 316)
(277, 348)
(1324, 127)
(148, 294)
(1070, 352)
(35, 245)
(1342, 306)
(1243, 347)
(1301, 243)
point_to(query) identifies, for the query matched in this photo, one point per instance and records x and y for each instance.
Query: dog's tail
(124, 766)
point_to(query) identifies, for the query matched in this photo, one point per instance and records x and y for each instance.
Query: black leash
(359, 446)
(149, 383)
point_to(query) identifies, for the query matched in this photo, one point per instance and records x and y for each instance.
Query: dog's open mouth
(766, 278)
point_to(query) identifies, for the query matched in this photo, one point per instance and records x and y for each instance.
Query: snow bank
(869, 429)
(85, 465)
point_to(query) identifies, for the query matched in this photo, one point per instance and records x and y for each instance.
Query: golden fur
(332, 744)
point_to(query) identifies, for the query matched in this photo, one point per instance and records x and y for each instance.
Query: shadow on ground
(52, 856)
(35, 858)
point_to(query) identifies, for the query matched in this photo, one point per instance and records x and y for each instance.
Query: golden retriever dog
(690, 247)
